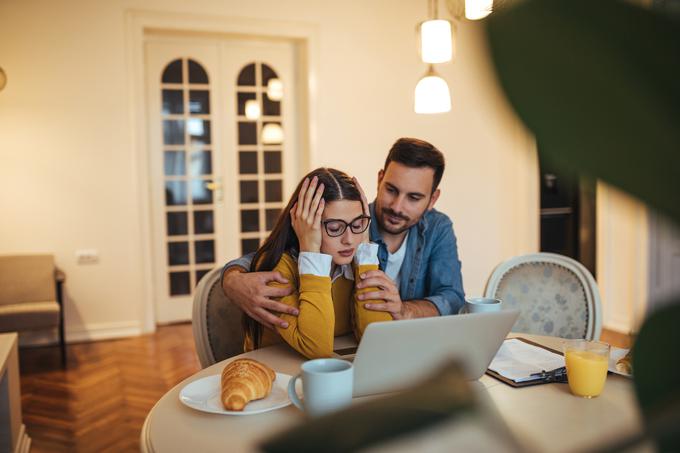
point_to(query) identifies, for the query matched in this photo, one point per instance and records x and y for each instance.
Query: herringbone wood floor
(99, 403)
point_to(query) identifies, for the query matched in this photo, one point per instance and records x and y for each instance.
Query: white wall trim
(82, 333)
(618, 326)
(137, 22)
(104, 331)
(23, 444)
(138, 127)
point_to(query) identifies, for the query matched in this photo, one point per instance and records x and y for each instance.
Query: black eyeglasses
(337, 227)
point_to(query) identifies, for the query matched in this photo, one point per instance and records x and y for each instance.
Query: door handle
(216, 187)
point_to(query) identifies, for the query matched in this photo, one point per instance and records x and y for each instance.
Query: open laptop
(395, 355)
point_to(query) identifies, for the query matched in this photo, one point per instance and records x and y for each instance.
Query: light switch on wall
(87, 256)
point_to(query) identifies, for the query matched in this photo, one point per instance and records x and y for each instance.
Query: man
(420, 270)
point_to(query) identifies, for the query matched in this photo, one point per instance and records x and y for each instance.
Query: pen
(557, 374)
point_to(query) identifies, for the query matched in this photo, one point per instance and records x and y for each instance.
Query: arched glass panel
(196, 73)
(173, 72)
(267, 74)
(247, 76)
(260, 129)
(187, 174)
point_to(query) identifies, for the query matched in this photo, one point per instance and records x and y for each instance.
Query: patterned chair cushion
(551, 300)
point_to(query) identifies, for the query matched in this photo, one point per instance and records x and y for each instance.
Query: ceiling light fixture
(435, 37)
(432, 94)
(478, 9)
(437, 45)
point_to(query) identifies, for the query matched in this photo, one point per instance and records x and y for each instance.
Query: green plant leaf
(598, 83)
(656, 372)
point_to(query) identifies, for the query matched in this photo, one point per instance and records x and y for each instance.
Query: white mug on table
(326, 386)
(480, 305)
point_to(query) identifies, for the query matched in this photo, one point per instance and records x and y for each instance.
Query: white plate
(614, 355)
(204, 395)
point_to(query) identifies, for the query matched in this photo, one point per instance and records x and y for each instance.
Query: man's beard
(393, 230)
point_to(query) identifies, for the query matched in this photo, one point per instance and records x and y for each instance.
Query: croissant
(245, 380)
(625, 364)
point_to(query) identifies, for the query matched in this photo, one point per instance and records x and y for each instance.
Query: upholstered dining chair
(216, 322)
(31, 296)
(556, 295)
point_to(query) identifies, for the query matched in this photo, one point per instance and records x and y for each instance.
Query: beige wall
(623, 258)
(69, 177)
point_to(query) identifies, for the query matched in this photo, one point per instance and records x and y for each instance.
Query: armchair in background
(31, 296)
(216, 321)
(556, 295)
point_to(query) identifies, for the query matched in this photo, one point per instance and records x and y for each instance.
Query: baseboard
(104, 331)
(619, 327)
(23, 444)
(77, 334)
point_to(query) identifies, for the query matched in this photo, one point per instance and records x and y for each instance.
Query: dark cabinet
(567, 215)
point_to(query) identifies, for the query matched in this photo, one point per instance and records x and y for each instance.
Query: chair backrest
(556, 295)
(27, 278)
(216, 322)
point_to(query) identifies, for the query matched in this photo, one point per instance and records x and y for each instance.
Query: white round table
(543, 417)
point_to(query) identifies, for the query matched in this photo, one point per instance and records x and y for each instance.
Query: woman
(313, 245)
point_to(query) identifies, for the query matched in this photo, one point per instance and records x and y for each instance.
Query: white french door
(222, 154)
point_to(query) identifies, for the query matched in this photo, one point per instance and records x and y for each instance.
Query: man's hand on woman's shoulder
(251, 293)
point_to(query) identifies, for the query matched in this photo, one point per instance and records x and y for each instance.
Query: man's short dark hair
(416, 153)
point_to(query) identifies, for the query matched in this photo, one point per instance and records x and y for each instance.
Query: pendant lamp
(478, 9)
(432, 94)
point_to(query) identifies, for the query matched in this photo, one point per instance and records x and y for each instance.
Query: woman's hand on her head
(364, 203)
(305, 215)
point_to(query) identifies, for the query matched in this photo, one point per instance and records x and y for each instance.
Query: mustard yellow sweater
(326, 311)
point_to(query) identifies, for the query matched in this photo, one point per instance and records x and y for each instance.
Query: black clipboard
(512, 383)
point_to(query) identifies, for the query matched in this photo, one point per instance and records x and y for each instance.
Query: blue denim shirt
(431, 268)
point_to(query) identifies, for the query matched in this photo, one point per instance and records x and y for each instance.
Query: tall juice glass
(587, 363)
(360, 270)
(363, 316)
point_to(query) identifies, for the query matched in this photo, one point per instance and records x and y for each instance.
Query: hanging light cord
(433, 9)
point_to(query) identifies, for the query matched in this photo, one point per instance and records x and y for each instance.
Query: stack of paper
(517, 360)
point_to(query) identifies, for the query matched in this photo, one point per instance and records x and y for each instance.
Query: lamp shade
(435, 41)
(478, 9)
(432, 94)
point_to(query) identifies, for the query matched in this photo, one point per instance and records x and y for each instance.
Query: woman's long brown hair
(282, 239)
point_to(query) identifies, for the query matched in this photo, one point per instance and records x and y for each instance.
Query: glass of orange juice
(587, 363)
